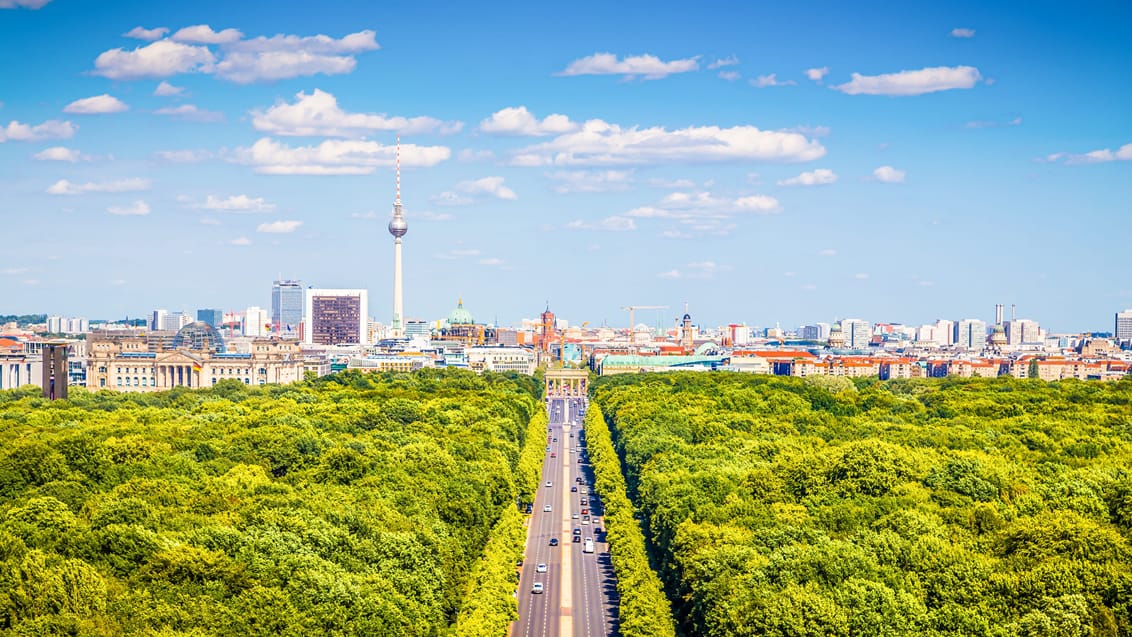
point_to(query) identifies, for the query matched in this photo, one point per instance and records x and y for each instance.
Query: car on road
(554, 541)
(555, 440)
(585, 521)
(573, 489)
(529, 508)
(577, 531)
(537, 588)
(546, 508)
(588, 547)
(549, 483)
(577, 538)
(585, 501)
(575, 516)
(553, 455)
(541, 568)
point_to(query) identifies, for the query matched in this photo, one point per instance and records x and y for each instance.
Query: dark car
(554, 541)
(577, 539)
(577, 531)
(529, 508)
(573, 489)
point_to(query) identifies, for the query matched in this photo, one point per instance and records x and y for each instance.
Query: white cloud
(286, 56)
(165, 89)
(209, 221)
(818, 177)
(14, 271)
(817, 74)
(670, 274)
(648, 67)
(492, 186)
(136, 209)
(889, 175)
(672, 184)
(468, 154)
(203, 34)
(237, 203)
(448, 198)
(334, 157)
(591, 181)
(601, 143)
(458, 253)
(51, 129)
(60, 153)
(279, 227)
(159, 59)
(492, 261)
(684, 205)
(96, 105)
(517, 120)
(828, 252)
(730, 60)
(240, 241)
(616, 223)
(960, 32)
(184, 156)
(191, 113)
(141, 33)
(23, 4)
(730, 76)
(860, 275)
(928, 80)
(1124, 153)
(812, 131)
(764, 81)
(64, 187)
(318, 114)
(993, 124)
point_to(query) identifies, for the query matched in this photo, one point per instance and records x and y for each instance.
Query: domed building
(836, 336)
(997, 338)
(199, 337)
(460, 326)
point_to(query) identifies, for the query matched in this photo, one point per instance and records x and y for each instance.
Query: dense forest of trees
(349, 505)
(782, 506)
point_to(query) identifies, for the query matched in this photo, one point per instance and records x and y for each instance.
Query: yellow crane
(633, 308)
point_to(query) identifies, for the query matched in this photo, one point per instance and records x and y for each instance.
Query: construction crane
(633, 308)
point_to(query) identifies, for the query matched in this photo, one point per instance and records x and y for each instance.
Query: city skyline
(898, 166)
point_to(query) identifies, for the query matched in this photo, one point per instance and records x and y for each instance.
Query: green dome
(460, 316)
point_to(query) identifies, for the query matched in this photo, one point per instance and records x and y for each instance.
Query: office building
(1123, 328)
(1022, 331)
(255, 322)
(335, 317)
(816, 332)
(214, 318)
(286, 308)
(857, 333)
(164, 320)
(971, 334)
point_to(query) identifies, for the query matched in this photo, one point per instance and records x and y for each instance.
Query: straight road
(579, 595)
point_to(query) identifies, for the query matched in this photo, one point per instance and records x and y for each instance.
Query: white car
(537, 588)
(541, 568)
(549, 484)
(546, 508)
(575, 516)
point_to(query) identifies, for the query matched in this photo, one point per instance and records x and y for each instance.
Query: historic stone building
(197, 359)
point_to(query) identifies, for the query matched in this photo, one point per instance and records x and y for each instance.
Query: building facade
(286, 308)
(971, 333)
(857, 333)
(335, 317)
(502, 359)
(127, 365)
(214, 318)
(1123, 328)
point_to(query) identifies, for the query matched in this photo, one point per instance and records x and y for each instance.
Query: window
(102, 370)
(119, 382)
(101, 382)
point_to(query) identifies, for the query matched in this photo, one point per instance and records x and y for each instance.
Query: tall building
(971, 333)
(397, 227)
(215, 318)
(335, 317)
(546, 330)
(816, 332)
(1123, 329)
(168, 321)
(286, 308)
(857, 333)
(55, 369)
(1019, 331)
(255, 322)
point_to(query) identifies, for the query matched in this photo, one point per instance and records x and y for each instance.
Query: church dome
(460, 316)
(199, 336)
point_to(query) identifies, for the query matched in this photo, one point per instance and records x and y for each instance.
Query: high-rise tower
(397, 228)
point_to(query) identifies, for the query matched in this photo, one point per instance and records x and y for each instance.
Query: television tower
(397, 228)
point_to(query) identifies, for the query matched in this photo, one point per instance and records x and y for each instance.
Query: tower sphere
(398, 227)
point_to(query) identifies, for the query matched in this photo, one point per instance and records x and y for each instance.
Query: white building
(971, 333)
(164, 320)
(501, 359)
(256, 321)
(857, 333)
(67, 325)
(1123, 328)
(1022, 331)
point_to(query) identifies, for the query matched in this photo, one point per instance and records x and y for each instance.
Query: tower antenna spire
(398, 168)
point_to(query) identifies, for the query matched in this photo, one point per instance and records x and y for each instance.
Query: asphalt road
(580, 592)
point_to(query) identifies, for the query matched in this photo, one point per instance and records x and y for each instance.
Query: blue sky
(765, 163)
